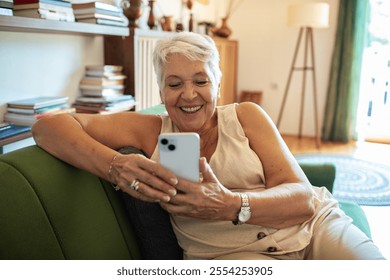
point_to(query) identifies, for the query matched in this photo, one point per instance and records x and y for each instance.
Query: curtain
(344, 79)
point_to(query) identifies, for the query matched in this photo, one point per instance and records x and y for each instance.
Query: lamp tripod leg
(289, 77)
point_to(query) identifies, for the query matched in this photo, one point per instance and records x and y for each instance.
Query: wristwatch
(245, 211)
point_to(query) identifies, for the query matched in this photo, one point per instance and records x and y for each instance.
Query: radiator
(145, 84)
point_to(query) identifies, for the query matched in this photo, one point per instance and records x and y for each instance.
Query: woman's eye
(175, 84)
(201, 83)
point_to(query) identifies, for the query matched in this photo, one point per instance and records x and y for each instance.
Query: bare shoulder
(252, 115)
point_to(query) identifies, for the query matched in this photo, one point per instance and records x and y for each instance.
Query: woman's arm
(89, 142)
(288, 198)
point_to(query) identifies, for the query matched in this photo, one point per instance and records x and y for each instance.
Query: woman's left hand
(208, 199)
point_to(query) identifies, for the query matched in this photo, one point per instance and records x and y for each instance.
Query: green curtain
(344, 80)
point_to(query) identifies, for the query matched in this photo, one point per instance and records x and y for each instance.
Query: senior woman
(253, 202)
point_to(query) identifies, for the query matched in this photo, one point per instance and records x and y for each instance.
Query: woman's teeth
(191, 109)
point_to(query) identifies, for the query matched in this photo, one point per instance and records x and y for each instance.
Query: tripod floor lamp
(306, 16)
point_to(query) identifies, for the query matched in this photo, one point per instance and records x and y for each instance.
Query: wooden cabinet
(134, 53)
(228, 51)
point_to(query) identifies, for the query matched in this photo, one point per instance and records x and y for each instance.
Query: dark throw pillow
(152, 225)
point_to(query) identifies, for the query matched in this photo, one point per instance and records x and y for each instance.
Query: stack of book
(6, 7)
(102, 91)
(28, 111)
(100, 13)
(44, 9)
(8, 130)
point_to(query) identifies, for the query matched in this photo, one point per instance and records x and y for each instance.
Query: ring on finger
(134, 185)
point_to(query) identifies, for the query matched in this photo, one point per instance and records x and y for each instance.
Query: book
(38, 102)
(101, 92)
(102, 73)
(6, 4)
(105, 109)
(100, 16)
(100, 87)
(104, 99)
(105, 68)
(6, 11)
(45, 14)
(4, 126)
(100, 81)
(54, 2)
(47, 109)
(29, 120)
(97, 10)
(96, 4)
(45, 6)
(102, 21)
(12, 130)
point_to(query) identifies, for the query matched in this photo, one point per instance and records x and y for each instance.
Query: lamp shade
(314, 15)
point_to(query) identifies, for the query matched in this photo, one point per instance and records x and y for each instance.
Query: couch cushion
(51, 210)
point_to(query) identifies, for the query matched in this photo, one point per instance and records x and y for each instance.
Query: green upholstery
(324, 175)
(51, 210)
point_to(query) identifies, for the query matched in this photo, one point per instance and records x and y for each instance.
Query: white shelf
(25, 24)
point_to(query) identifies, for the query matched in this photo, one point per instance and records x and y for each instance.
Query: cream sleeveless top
(239, 168)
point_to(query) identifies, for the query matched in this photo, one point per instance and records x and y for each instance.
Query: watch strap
(244, 208)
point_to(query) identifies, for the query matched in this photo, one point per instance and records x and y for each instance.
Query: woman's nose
(189, 92)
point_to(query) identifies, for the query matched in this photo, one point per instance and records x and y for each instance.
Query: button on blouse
(261, 235)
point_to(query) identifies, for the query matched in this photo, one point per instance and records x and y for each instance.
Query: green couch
(51, 210)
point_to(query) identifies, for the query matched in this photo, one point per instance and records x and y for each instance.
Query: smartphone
(180, 153)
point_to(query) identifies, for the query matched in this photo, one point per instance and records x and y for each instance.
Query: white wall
(49, 64)
(266, 51)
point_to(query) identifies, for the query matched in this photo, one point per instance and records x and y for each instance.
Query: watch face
(244, 215)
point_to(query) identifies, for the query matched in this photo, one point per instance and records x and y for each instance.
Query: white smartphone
(180, 153)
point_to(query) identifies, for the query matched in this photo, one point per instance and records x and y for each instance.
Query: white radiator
(146, 88)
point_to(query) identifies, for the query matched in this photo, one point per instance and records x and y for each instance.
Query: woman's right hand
(155, 183)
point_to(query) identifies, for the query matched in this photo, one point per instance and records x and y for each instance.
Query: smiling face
(188, 93)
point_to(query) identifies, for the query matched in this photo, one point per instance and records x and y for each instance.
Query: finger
(207, 172)
(158, 170)
(148, 171)
(145, 193)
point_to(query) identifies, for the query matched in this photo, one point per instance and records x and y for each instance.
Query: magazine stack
(100, 13)
(102, 91)
(27, 111)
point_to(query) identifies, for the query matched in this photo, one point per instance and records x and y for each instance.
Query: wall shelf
(25, 24)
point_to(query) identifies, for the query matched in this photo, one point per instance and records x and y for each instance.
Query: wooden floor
(378, 216)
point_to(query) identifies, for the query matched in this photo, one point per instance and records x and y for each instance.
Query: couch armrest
(320, 175)
(324, 174)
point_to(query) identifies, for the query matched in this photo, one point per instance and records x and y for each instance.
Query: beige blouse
(239, 169)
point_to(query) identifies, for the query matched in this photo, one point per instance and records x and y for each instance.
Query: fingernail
(174, 181)
(172, 192)
(166, 198)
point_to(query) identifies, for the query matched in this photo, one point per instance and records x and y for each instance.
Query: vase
(167, 23)
(151, 19)
(224, 31)
(133, 11)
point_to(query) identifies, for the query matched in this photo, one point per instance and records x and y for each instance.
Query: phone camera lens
(171, 147)
(164, 141)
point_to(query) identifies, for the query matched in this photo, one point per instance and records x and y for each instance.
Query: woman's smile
(191, 109)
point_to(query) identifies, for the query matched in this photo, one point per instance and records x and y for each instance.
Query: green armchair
(51, 210)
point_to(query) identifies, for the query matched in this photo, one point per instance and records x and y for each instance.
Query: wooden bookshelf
(24, 24)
